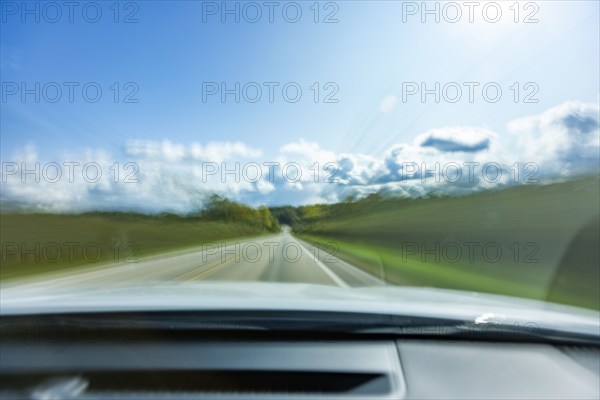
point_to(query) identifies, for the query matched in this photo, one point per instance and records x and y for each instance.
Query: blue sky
(368, 55)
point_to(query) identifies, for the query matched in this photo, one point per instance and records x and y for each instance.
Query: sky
(376, 93)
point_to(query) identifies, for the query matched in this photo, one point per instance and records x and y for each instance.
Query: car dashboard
(45, 359)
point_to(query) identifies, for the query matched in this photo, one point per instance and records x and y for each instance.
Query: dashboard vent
(346, 370)
(127, 383)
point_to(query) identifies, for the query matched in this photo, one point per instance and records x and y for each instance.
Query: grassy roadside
(397, 269)
(41, 243)
(548, 236)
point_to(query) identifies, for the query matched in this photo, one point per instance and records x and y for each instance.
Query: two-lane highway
(276, 258)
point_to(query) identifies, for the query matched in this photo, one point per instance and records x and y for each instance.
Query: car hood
(241, 296)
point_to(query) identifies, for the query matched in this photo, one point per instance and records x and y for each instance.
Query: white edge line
(354, 268)
(325, 269)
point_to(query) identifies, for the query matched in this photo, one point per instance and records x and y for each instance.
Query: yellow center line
(210, 269)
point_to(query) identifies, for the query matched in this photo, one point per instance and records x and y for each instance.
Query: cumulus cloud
(178, 177)
(565, 139)
(149, 177)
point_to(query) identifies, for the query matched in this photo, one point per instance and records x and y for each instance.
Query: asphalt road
(276, 258)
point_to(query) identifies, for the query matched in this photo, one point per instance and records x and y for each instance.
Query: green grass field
(547, 236)
(116, 237)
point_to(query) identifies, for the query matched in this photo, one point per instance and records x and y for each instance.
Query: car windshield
(242, 154)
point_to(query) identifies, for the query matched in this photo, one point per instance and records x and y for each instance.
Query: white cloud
(388, 103)
(564, 140)
(264, 187)
(150, 176)
(212, 152)
(223, 151)
(178, 177)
